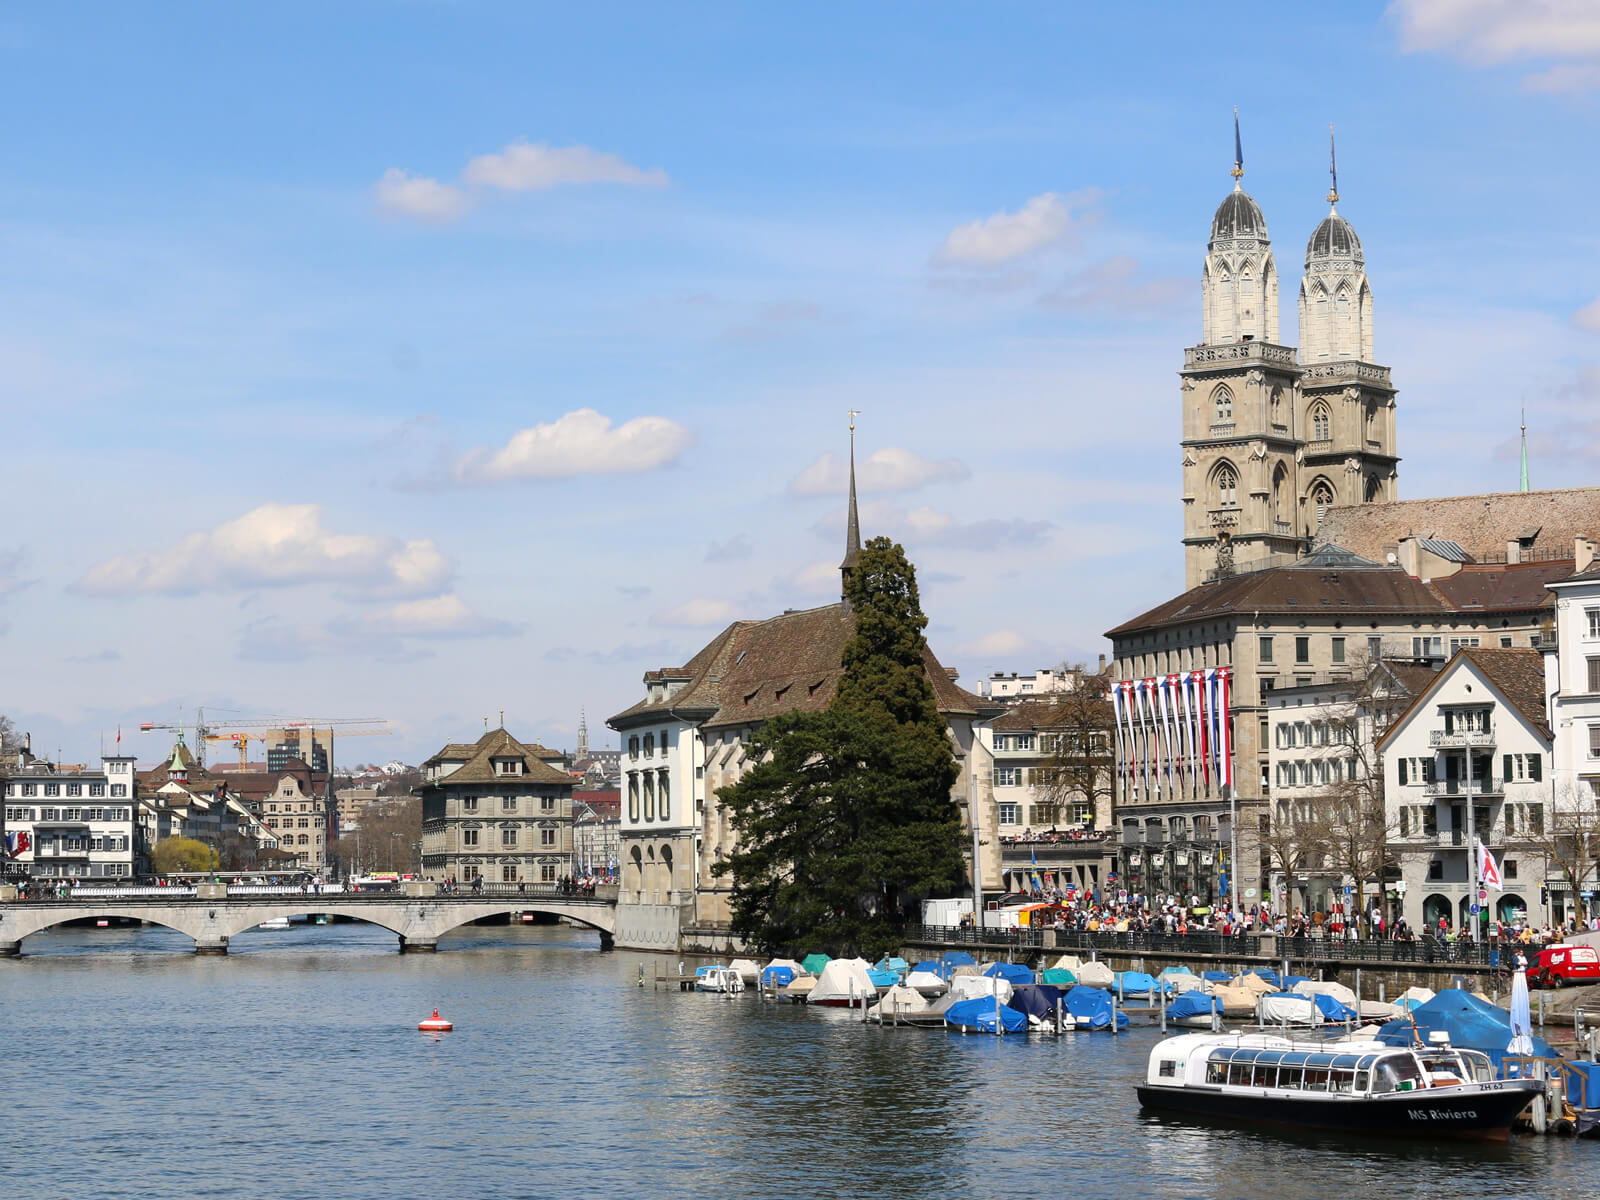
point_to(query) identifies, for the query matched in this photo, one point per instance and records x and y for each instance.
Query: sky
(427, 360)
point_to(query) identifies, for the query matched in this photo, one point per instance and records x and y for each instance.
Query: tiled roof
(1297, 588)
(1518, 587)
(1042, 713)
(498, 744)
(754, 670)
(1483, 524)
(1518, 673)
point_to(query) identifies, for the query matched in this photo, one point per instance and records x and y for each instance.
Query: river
(292, 1068)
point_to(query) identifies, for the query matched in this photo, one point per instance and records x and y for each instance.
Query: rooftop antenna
(1333, 168)
(1238, 153)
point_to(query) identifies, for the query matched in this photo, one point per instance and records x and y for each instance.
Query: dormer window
(508, 766)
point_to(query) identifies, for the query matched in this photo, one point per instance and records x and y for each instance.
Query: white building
(1488, 705)
(72, 822)
(1572, 682)
(1043, 682)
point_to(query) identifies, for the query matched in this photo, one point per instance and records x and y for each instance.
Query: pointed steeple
(1333, 170)
(852, 532)
(1238, 154)
(1524, 483)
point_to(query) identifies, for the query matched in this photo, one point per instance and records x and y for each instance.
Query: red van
(1561, 965)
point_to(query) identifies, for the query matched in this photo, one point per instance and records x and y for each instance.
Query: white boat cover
(970, 987)
(1369, 1010)
(840, 980)
(1183, 983)
(898, 999)
(1287, 1008)
(927, 982)
(749, 970)
(1414, 995)
(787, 962)
(967, 969)
(1095, 974)
(1069, 962)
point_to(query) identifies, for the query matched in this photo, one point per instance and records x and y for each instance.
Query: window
(1594, 673)
(76, 789)
(1302, 649)
(1010, 814)
(1012, 776)
(633, 796)
(1227, 483)
(547, 804)
(1024, 741)
(508, 804)
(1338, 650)
(649, 745)
(664, 789)
(1322, 498)
(1505, 641)
(469, 804)
(547, 837)
(649, 796)
(547, 872)
(508, 838)
(1435, 870)
(1224, 405)
(1594, 621)
(1457, 643)
(1427, 647)
(633, 747)
(508, 874)
(52, 789)
(469, 837)
(1266, 649)
(1321, 426)
(1511, 868)
(97, 789)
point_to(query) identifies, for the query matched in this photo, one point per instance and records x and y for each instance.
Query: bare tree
(1075, 732)
(1567, 838)
(1293, 840)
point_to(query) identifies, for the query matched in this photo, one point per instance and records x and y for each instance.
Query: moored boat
(1366, 1087)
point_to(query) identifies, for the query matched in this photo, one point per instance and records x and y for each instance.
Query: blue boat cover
(1289, 981)
(1035, 999)
(881, 978)
(1472, 1024)
(1012, 973)
(1137, 983)
(1091, 1007)
(1579, 1096)
(931, 967)
(958, 958)
(979, 1014)
(891, 963)
(1194, 1004)
(1217, 976)
(777, 976)
(1176, 970)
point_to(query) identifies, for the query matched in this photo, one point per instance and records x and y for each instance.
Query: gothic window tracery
(1374, 489)
(1225, 482)
(1321, 422)
(1321, 498)
(1277, 406)
(1223, 401)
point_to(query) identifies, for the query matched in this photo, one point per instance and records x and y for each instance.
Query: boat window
(1265, 1076)
(1291, 1077)
(1363, 1080)
(1316, 1079)
(1169, 1068)
(1239, 1074)
(1341, 1081)
(1216, 1072)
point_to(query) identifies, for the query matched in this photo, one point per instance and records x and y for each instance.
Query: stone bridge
(211, 916)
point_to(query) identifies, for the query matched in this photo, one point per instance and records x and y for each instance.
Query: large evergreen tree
(848, 815)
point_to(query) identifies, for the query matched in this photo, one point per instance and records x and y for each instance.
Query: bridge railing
(605, 894)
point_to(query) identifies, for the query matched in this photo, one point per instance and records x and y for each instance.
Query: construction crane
(240, 740)
(204, 732)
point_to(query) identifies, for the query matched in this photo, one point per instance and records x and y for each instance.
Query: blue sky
(423, 360)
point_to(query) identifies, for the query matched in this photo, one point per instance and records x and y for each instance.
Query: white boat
(718, 979)
(274, 923)
(1364, 1087)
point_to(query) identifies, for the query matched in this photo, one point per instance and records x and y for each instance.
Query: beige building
(497, 810)
(1273, 439)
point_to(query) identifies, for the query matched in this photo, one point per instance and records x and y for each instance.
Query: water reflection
(293, 1068)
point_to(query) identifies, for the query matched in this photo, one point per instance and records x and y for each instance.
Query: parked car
(1561, 965)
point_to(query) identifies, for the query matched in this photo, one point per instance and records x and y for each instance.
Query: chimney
(1513, 552)
(1583, 554)
(1102, 669)
(1408, 553)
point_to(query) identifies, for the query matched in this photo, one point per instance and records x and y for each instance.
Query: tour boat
(1366, 1087)
(274, 923)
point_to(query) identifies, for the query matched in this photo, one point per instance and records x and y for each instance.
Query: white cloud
(1046, 220)
(925, 527)
(433, 616)
(1588, 317)
(276, 545)
(889, 470)
(1503, 31)
(1000, 641)
(697, 614)
(531, 167)
(819, 579)
(420, 196)
(578, 443)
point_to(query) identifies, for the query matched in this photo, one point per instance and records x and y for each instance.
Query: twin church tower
(1272, 438)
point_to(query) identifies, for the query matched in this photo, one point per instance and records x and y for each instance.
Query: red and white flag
(1488, 869)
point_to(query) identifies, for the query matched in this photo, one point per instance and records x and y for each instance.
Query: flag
(18, 843)
(1224, 734)
(1488, 869)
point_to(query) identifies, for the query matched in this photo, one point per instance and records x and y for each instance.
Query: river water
(292, 1068)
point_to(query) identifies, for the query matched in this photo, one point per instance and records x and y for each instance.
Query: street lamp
(392, 837)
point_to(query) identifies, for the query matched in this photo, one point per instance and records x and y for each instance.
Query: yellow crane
(237, 735)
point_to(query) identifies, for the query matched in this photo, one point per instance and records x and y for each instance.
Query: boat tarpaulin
(1091, 1008)
(813, 963)
(1035, 999)
(1472, 1023)
(927, 981)
(1096, 974)
(980, 1014)
(973, 986)
(958, 958)
(1137, 983)
(1194, 1004)
(1059, 976)
(1012, 973)
(777, 976)
(840, 981)
(899, 1000)
(1216, 977)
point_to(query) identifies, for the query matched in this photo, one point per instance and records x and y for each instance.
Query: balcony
(1471, 737)
(1487, 786)
(1235, 352)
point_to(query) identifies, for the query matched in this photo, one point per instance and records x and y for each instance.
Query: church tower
(1241, 435)
(1346, 402)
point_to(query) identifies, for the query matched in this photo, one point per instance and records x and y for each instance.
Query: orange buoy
(435, 1024)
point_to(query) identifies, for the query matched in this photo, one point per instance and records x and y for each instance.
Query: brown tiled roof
(1415, 678)
(1295, 589)
(1481, 524)
(754, 670)
(498, 744)
(1518, 673)
(1518, 587)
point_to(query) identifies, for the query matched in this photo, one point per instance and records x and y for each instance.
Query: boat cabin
(1277, 1064)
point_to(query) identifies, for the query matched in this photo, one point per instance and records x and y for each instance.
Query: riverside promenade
(213, 913)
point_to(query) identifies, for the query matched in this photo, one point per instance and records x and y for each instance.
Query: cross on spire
(1333, 169)
(1238, 152)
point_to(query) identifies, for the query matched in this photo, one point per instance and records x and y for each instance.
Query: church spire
(1333, 169)
(852, 533)
(1524, 482)
(1238, 153)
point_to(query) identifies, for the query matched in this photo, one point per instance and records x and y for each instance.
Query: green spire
(1525, 486)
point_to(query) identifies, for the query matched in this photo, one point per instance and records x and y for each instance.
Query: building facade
(72, 822)
(496, 810)
(1272, 438)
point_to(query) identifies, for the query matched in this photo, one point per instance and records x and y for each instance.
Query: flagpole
(1472, 841)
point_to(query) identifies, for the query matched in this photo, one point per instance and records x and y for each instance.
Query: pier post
(14, 950)
(418, 945)
(607, 941)
(214, 943)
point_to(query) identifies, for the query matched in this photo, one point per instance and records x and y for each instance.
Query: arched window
(1372, 422)
(1226, 481)
(1321, 498)
(1277, 406)
(1374, 488)
(1278, 477)
(1223, 399)
(1321, 422)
